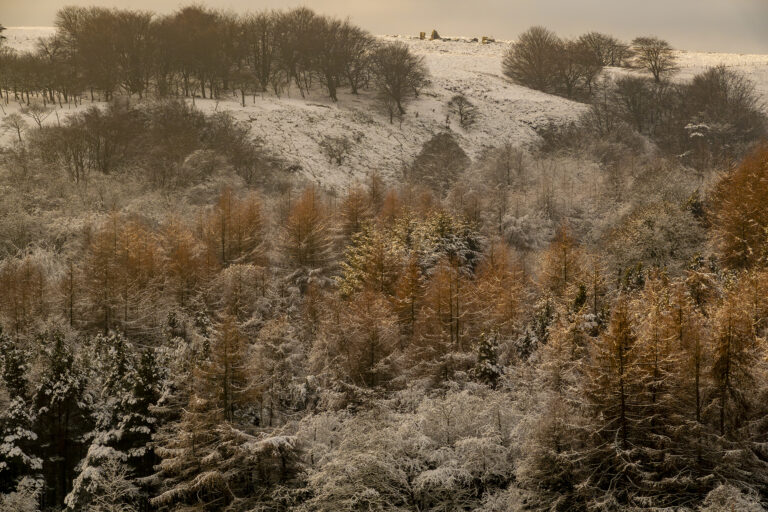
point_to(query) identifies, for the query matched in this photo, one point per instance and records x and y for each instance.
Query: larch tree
(354, 212)
(211, 456)
(738, 372)
(556, 430)
(562, 266)
(372, 261)
(612, 390)
(739, 212)
(358, 340)
(306, 233)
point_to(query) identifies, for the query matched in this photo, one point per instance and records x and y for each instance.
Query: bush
(439, 163)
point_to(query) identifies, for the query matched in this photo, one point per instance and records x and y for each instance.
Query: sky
(703, 25)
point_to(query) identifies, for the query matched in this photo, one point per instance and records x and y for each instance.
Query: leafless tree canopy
(654, 55)
(539, 59)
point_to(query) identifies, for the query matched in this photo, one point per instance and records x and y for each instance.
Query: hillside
(293, 127)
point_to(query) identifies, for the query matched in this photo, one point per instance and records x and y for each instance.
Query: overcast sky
(704, 25)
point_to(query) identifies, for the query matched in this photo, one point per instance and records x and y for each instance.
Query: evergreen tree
(62, 417)
(18, 441)
(208, 457)
(487, 369)
(123, 424)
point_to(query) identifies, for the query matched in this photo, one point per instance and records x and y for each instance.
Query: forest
(188, 324)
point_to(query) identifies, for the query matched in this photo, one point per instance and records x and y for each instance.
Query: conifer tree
(306, 233)
(557, 430)
(119, 453)
(562, 266)
(487, 369)
(372, 262)
(612, 389)
(62, 417)
(19, 464)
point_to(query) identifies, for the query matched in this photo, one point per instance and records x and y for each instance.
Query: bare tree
(14, 122)
(464, 109)
(606, 49)
(37, 112)
(116, 489)
(654, 55)
(336, 148)
(530, 61)
(260, 31)
(400, 75)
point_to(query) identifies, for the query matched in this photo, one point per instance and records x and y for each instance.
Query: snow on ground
(24, 39)
(293, 127)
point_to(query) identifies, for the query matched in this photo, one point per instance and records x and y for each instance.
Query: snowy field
(293, 127)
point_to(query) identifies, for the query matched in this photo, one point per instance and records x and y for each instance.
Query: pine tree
(62, 417)
(120, 442)
(487, 369)
(279, 369)
(18, 462)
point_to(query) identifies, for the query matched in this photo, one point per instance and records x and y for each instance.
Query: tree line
(201, 52)
(710, 121)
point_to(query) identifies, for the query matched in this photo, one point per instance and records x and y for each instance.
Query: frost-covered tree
(725, 498)
(487, 369)
(18, 441)
(358, 341)
(612, 390)
(739, 215)
(211, 456)
(562, 265)
(120, 447)
(306, 234)
(372, 262)
(555, 430)
(439, 162)
(62, 416)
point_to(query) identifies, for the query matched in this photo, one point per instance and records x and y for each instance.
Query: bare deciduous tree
(530, 61)
(654, 55)
(464, 109)
(14, 122)
(336, 148)
(606, 49)
(400, 75)
(37, 112)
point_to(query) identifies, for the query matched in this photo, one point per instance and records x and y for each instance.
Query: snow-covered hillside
(293, 127)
